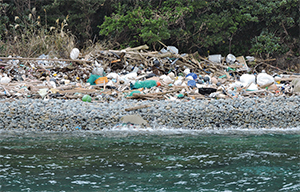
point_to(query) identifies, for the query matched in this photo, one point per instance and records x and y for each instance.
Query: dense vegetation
(265, 28)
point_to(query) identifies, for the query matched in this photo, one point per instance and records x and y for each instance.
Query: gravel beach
(68, 115)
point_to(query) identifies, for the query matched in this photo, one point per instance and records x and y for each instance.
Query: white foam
(137, 130)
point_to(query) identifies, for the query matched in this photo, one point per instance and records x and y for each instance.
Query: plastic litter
(87, 98)
(145, 84)
(215, 58)
(246, 79)
(206, 90)
(71, 79)
(5, 79)
(92, 79)
(263, 79)
(43, 92)
(191, 83)
(74, 53)
(230, 59)
(134, 92)
(193, 75)
(252, 87)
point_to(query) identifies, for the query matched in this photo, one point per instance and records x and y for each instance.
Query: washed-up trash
(146, 84)
(272, 87)
(189, 78)
(166, 79)
(180, 96)
(200, 81)
(101, 81)
(43, 92)
(98, 71)
(187, 71)
(71, 79)
(230, 59)
(131, 76)
(5, 79)
(87, 98)
(191, 83)
(214, 80)
(263, 79)
(172, 49)
(43, 62)
(246, 79)
(242, 64)
(250, 58)
(134, 92)
(206, 90)
(92, 79)
(206, 79)
(112, 76)
(193, 75)
(252, 87)
(171, 75)
(178, 82)
(215, 58)
(74, 53)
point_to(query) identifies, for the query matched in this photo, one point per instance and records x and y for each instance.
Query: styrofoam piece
(112, 76)
(171, 75)
(110, 83)
(5, 79)
(252, 87)
(187, 71)
(247, 79)
(178, 82)
(237, 84)
(43, 92)
(132, 75)
(74, 53)
(166, 79)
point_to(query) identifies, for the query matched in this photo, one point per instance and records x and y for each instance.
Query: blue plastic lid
(193, 75)
(191, 83)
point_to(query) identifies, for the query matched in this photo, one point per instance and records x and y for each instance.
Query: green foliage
(82, 15)
(135, 27)
(4, 20)
(191, 25)
(266, 44)
(223, 26)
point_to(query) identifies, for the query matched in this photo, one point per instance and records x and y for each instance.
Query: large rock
(134, 119)
(296, 83)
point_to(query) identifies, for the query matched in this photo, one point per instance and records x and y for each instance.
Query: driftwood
(78, 90)
(137, 107)
(142, 47)
(38, 59)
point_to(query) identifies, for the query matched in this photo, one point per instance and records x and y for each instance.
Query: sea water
(151, 161)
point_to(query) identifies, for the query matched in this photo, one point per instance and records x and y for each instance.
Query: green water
(184, 162)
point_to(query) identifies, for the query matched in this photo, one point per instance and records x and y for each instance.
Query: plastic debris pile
(133, 73)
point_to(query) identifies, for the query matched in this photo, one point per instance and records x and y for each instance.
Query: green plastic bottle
(87, 98)
(146, 84)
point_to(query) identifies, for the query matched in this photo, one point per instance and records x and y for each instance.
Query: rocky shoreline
(71, 115)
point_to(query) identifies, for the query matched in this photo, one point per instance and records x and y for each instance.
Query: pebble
(66, 115)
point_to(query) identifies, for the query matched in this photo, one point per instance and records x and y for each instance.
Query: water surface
(179, 162)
